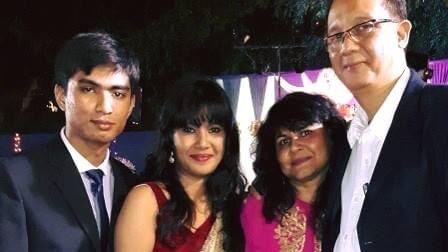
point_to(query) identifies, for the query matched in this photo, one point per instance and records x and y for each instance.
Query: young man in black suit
(389, 181)
(66, 195)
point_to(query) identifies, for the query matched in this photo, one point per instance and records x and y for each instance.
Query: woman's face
(303, 155)
(199, 150)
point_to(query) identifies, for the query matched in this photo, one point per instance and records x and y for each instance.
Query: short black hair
(397, 8)
(86, 51)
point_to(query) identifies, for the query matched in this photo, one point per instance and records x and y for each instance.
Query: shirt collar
(81, 163)
(357, 125)
(380, 124)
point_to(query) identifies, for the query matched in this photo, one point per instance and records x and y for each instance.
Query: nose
(104, 103)
(202, 139)
(348, 43)
(296, 144)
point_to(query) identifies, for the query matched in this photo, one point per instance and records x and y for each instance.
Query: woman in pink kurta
(284, 210)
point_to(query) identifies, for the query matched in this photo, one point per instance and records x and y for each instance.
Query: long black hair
(294, 112)
(192, 103)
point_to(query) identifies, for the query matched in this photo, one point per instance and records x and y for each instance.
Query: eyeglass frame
(341, 39)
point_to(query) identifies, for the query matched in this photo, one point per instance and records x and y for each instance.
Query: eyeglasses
(357, 33)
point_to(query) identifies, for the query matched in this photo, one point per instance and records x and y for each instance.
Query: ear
(59, 95)
(404, 30)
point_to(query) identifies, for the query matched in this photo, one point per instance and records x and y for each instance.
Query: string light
(128, 163)
(17, 143)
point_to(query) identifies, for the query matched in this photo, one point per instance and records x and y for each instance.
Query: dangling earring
(171, 158)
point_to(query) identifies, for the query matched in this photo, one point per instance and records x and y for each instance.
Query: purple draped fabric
(440, 71)
(292, 78)
(257, 90)
(313, 74)
(232, 88)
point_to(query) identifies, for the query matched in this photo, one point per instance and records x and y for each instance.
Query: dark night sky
(32, 31)
(31, 34)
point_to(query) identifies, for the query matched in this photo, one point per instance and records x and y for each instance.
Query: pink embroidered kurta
(295, 232)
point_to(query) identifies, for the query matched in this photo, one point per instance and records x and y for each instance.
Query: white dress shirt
(83, 166)
(366, 141)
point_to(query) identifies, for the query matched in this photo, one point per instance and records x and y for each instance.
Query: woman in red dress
(193, 201)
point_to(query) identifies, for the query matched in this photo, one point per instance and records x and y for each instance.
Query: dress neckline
(204, 225)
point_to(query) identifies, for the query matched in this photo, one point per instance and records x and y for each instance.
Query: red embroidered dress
(185, 240)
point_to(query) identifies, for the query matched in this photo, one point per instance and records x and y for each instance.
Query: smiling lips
(201, 157)
(299, 161)
(351, 66)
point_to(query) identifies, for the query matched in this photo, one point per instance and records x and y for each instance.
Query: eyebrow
(94, 83)
(279, 136)
(357, 20)
(282, 134)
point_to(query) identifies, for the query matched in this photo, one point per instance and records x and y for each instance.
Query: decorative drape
(440, 71)
(288, 83)
(232, 88)
(257, 90)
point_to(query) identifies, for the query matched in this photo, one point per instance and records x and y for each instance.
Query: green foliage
(297, 11)
(199, 36)
(177, 37)
(430, 29)
(193, 36)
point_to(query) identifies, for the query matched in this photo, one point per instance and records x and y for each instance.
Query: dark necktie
(96, 185)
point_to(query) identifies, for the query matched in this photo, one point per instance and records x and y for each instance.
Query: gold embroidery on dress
(215, 237)
(290, 232)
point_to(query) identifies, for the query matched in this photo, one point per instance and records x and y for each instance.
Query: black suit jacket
(405, 208)
(44, 205)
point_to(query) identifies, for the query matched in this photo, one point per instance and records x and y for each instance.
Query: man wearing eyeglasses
(388, 184)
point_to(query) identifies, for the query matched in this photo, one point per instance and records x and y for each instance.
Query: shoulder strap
(160, 196)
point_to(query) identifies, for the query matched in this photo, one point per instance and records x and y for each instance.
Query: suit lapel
(403, 132)
(68, 180)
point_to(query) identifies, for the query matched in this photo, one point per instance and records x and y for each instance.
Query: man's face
(376, 59)
(96, 106)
